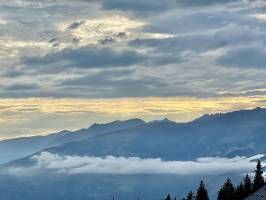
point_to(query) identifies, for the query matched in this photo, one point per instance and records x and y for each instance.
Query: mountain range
(223, 135)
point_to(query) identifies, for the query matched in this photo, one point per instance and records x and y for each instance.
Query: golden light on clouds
(42, 116)
(116, 27)
(90, 31)
(130, 107)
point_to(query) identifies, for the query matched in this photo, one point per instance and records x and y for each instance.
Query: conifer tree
(168, 197)
(202, 193)
(247, 186)
(227, 192)
(190, 196)
(240, 192)
(258, 179)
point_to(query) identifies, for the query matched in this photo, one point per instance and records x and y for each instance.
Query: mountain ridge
(209, 136)
(206, 127)
(28, 145)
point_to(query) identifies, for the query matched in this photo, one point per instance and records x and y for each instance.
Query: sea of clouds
(136, 165)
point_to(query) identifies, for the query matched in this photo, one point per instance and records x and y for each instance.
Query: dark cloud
(246, 57)
(114, 84)
(230, 36)
(86, 58)
(53, 40)
(181, 65)
(107, 40)
(13, 73)
(75, 25)
(179, 44)
(204, 2)
(121, 34)
(145, 6)
(207, 20)
(137, 6)
(21, 87)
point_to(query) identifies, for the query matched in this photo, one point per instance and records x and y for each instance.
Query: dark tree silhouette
(247, 186)
(168, 197)
(202, 193)
(227, 192)
(190, 196)
(240, 192)
(258, 179)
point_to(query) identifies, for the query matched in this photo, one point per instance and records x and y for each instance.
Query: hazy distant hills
(21, 147)
(239, 133)
(229, 134)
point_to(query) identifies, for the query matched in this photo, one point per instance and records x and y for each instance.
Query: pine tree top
(202, 193)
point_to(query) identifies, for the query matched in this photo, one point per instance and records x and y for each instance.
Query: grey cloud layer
(86, 57)
(185, 49)
(156, 6)
(247, 57)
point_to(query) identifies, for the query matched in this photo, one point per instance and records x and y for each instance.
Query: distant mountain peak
(237, 130)
(259, 108)
(165, 120)
(247, 114)
(134, 121)
(117, 125)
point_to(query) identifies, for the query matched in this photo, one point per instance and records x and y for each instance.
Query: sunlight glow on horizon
(60, 114)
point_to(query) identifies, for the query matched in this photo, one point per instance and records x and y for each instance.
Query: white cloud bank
(135, 165)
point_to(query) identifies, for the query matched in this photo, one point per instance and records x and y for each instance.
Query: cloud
(86, 57)
(245, 57)
(21, 87)
(135, 165)
(139, 6)
(116, 83)
(75, 25)
(204, 2)
(148, 6)
(228, 36)
(170, 53)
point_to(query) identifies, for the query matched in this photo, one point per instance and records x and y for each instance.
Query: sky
(66, 64)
